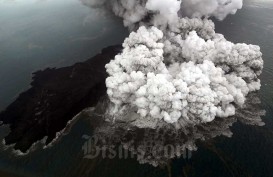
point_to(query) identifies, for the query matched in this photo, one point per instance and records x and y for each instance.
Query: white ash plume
(196, 88)
(176, 69)
(217, 8)
(134, 12)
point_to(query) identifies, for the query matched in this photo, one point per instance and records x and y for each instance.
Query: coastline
(55, 97)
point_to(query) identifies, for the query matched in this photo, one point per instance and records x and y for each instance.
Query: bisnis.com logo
(93, 149)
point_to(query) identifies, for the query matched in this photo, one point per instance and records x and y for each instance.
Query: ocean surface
(36, 34)
(55, 33)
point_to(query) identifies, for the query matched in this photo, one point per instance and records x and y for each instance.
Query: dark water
(35, 34)
(22, 44)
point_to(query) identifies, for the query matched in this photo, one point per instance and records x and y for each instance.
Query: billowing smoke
(217, 8)
(174, 67)
(145, 11)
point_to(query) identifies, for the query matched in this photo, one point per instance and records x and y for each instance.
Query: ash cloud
(217, 8)
(174, 68)
(137, 11)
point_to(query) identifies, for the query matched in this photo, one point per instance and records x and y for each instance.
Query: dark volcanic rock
(55, 97)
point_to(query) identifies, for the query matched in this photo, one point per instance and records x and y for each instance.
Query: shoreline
(55, 97)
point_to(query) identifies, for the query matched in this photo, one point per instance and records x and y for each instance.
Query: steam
(174, 68)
